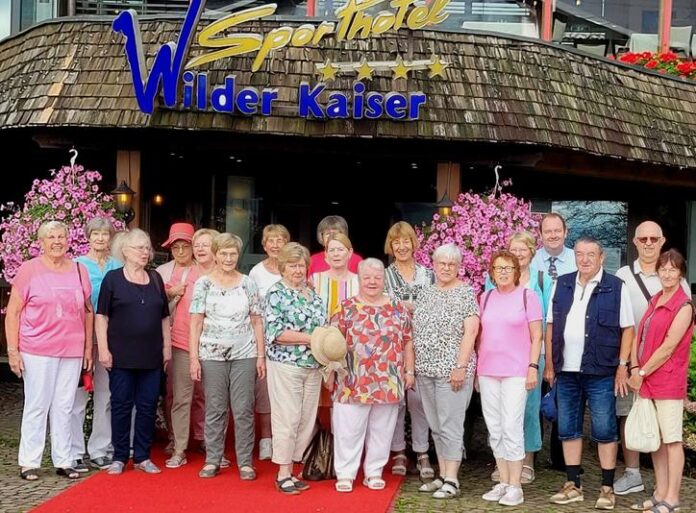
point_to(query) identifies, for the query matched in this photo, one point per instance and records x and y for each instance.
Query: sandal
(176, 461)
(247, 473)
(646, 505)
(528, 475)
(68, 472)
(300, 485)
(432, 486)
(287, 486)
(209, 470)
(663, 504)
(399, 466)
(29, 474)
(374, 483)
(449, 490)
(344, 485)
(424, 467)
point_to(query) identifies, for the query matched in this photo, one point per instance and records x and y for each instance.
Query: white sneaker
(496, 493)
(629, 482)
(265, 449)
(513, 496)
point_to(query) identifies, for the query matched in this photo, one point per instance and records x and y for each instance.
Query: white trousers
(49, 394)
(419, 424)
(358, 426)
(99, 444)
(503, 401)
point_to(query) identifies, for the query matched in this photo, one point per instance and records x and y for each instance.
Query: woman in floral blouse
(445, 325)
(292, 311)
(380, 361)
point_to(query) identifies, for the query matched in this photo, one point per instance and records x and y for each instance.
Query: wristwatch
(641, 373)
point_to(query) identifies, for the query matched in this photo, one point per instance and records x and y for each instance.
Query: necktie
(553, 272)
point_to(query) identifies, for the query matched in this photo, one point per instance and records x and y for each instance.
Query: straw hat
(328, 345)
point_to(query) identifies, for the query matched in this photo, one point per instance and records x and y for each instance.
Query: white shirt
(565, 261)
(263, 278)
(652, 283)
(574, 332)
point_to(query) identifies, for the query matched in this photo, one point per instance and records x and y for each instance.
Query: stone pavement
(17, 495)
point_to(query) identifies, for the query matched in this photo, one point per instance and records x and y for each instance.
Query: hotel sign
(183, 85)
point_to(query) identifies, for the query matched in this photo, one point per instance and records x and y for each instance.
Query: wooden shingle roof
(72, 72)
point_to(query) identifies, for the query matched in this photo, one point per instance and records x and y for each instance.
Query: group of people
(240, 348)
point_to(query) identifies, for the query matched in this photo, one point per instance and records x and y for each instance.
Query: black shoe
(80, 466)
(101, 463)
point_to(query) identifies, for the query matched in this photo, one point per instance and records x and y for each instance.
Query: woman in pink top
(187, 397)
(660, 357)
(508, 356)
(49, 326)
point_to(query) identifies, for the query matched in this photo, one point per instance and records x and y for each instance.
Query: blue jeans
(532, 421)
(139, 388)
(574, 389)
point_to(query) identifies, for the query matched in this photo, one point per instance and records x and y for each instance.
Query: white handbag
(642, 428)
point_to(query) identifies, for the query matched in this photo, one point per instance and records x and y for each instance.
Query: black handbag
(318, 458)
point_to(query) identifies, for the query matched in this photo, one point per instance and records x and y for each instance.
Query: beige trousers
(294, 394)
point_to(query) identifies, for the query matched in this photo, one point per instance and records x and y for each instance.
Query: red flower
(668, 57)
(651, 64)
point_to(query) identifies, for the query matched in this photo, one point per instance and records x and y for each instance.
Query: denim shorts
(574, 390)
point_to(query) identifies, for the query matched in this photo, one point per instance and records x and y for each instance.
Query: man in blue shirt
(554, 257)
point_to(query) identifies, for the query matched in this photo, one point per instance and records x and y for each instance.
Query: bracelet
(261, 357)
(410, 373)
(461, 366)
(534, 366)
(634, 367)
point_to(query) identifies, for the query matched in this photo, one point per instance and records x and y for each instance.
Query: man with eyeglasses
(589, 330)
(642, 282)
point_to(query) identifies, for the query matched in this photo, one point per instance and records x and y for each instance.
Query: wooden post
(448, 172)
(547, 20)
(128, 169)
(665, 28)
(311, 7)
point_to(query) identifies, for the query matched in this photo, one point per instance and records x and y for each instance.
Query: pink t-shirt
(52, 322)
(318, 263)
(505, 338)
(182, 317)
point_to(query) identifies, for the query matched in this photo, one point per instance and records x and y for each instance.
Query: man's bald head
(648, 241)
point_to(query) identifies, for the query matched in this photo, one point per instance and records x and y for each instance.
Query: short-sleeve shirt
(52, 320)
(376, 337)
(96, 274)
(181, 326)
(135, 313)
(288, 309)
(438, 328)
(263, 278)
(505, 337)
(398, 288)
(227, 330)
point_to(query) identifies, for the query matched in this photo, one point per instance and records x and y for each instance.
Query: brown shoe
(569, 493)
(606, 498)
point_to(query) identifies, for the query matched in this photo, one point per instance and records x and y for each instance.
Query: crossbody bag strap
(642, 286)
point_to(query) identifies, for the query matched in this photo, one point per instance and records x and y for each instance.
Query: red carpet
(181, 490)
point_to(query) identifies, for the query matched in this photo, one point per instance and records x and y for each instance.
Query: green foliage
(690, 418)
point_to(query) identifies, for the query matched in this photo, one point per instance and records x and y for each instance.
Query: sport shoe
(103, 462)
(513, 496)
(147, 466)
(80, 466)
(606, 498)
(496, 493)
(629, 482)
(265, 449)
(569, 493)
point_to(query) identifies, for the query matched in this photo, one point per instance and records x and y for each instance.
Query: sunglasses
(653, 240)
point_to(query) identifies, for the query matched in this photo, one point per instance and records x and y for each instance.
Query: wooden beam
(547, 20)
(665, 28)
(448, 179)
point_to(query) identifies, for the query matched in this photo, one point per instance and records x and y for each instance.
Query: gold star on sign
(437, 67)
(400, 69)
(327, 70)
(364, 70)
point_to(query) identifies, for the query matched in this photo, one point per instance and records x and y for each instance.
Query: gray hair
(331, 223)
(372, 263)
(588, 239)
(128, 238)
(448, 252)
(49, 226)
(99, 223)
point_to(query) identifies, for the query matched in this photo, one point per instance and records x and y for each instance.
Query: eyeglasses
(653, 240)
(446, 265)
(228, 256)
(181, 247)
(668, 271)
(503, 268)
(140, 249)
(202, 245)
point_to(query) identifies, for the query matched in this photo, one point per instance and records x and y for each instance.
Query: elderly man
(642, 282)
(589, 331)
(554, 257)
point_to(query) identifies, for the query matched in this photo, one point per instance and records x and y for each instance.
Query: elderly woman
(98, 261)
(404, 279)
(328, 226)
(380, 361)
(226, 348)
(266, 274)
(181, 389)
(292, 312)
(523, 246)
(508, 366)
(132, 328)
(48, 327)
(660, 362)
(445, 325)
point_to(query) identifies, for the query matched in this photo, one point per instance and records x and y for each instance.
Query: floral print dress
(376, 337)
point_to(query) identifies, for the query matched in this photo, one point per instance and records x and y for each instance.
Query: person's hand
(549, 374)
(457, 379)
(176, 291)
(621, 381)
(261, 367)
(635, 382)
(87, 362)
(330, 381)
(16, 363)
(532, 378)
(106, 359)
(195, 369)
(166, 356)
(476, 385)
(409, 381)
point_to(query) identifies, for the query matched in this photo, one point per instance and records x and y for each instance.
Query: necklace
(139, 290)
